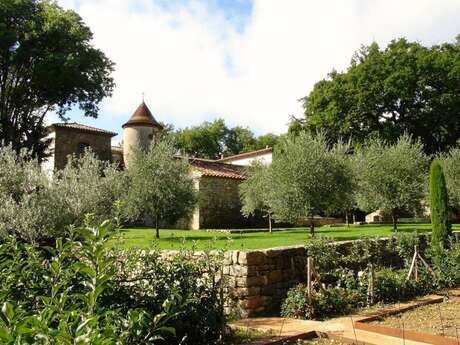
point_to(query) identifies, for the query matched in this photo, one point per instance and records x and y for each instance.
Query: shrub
(440, 215)
(446, 263)
(36, 207)
(77, 292)
(323, 303)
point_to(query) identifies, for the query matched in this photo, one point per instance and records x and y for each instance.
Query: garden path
(283, 329)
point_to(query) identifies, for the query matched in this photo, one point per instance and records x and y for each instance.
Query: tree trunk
(157, 227)
(312, 227)
(394, 217)
(347, 220)
(354, 217)
(270, 223)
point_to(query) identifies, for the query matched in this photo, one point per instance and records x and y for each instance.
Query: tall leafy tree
(309, 177)
(450, 163)
(386, 92)
(215, 139)
(255, 191)
(391, 178)
(440, 214)
(160, 186)
(47, 63)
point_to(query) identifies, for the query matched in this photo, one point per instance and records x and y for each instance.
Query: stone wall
(69, 141)
(220, 205)
(259, 279)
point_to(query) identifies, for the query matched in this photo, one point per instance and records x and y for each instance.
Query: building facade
(217, 181)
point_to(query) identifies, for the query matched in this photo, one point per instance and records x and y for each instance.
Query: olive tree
(255, 191)
(160, 185)
(309, 177)
(451, 166)
(391, 178)
(35, 207)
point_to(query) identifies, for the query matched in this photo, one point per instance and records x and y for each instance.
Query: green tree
(440, 213)
(450, 163)
(309, 178)
(391, 178)
(255, 191)
(213, 139)
(403, 88)
(160, 186)
(47, 63)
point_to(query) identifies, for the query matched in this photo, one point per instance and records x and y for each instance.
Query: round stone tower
(139, 131)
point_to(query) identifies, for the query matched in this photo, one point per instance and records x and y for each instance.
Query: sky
(246, 61)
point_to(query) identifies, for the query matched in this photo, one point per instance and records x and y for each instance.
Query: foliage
(48, 63)
(391, 177)
(446, 262)
(309, 178)
(83, 292)
(146, 279)
(160, 185)
(55, 296)
(36, 207)
(348, 266)
(439, 207)
(255, 191)
(323, 303)
(214, 139)
(402, 88)
(450, 163)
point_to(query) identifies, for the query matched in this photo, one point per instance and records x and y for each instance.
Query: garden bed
(439, 319)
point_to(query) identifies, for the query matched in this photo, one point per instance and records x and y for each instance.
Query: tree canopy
(47, 63)
(309, 177)
(391, 178)
(386, 92)
(255, 191)
(160, 186)
(451, 166)
(213, 139)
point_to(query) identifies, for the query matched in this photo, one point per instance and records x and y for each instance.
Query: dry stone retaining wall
(259, 279)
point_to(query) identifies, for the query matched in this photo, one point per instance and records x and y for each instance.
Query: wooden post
(413, 264)
(309, 268)
(370, 290)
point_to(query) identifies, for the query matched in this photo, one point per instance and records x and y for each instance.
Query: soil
(440, 319)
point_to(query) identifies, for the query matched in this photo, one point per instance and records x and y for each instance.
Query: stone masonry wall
(260, 279)
(68, 142)
(220, 205)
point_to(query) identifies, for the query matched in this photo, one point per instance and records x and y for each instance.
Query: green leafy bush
(446, 263)
(80, 292)
(37, 207)
(323, 302)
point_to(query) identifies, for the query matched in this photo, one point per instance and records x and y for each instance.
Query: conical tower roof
(142, 117)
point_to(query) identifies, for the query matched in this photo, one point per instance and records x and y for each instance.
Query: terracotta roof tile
(142, 117)
(216, 169)
(81, 127)
(246, 155)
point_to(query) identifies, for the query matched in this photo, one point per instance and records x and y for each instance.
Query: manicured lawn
(201, 239)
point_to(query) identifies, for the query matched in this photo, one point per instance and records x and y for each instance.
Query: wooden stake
(309, 267)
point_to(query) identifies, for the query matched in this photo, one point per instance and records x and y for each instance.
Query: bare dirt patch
(322, 341)
(439, 319)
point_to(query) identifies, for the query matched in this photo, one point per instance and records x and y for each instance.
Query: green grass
(142, 237)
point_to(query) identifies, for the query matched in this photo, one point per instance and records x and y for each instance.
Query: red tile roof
(81, 127)
(142, 117)
(216, 169)
(246, 155)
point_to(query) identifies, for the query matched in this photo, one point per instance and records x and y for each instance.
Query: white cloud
(193, 63)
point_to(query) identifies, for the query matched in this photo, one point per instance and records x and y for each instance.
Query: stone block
(275, 277)
(251, 258)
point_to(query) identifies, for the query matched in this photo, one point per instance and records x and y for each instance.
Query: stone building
(72, 139)
(217, 182)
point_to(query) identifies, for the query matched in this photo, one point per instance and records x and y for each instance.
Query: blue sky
(247, 61)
